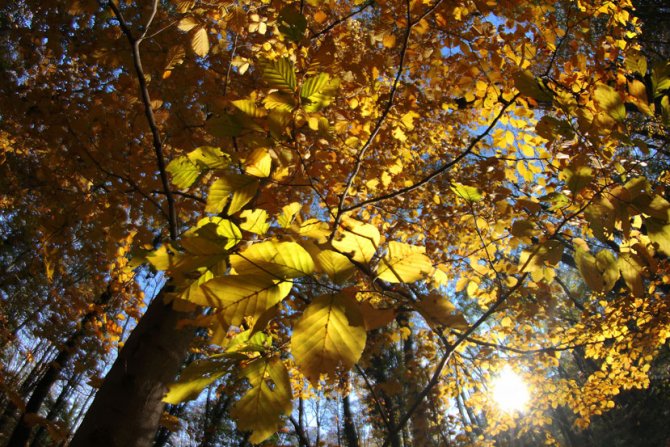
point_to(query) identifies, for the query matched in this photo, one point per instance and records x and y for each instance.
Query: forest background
(333, 222)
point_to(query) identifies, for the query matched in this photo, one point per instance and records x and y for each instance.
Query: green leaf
(238, 296)
(469, 193)
(194, 378)
(404, 263)
(291, 23)
(280, 259)
(184, 172)
(279, 74)
(261, 408)
(329, 336)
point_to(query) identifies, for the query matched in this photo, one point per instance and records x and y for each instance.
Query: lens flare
(509, 391)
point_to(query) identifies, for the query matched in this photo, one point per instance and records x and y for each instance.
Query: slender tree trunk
(350, 434)
(22, 431)
(57, 406)
(126, 410)
(220, 408)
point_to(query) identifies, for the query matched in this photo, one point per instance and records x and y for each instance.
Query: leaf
(529, 85)
(577, 178)
(194, 378)
(187, 24)
(609, 100)
(329, 336)
(404, 263)
(279, 74)
(607, 265)
(238, 296)
(374, 318)
(437, 309)
(288, 213)
(184, 172)
(261, 408)
(200, 42)
(291, 23)
(248, 107)
(469, 193)
(335, 265)
(659, 233)
(586, 263)
(318, 92)
(224, 228)
(359, 240)
(280, 101)
(209, 157)
(242, 187)
(258, 163)
(280, 259)
(255, 221)
(631, 271)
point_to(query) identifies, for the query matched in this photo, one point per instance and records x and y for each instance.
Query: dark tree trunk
(21, 433)
(350, 435)
(126, 410)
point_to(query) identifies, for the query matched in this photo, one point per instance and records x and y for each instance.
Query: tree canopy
(392, 200)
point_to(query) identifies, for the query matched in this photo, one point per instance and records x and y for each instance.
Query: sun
(510, 391)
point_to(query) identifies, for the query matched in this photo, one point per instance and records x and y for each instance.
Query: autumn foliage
(392, 198)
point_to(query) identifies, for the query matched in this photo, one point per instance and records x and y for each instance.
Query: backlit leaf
(279, 74)
(237, 296)
(261, 408)
(184, 172)
(280, 259)
(200, 42)
(404, 263)
(359, 240)
(329, 336)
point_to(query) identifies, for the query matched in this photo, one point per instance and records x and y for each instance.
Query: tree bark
(350, 435)
(126, 410)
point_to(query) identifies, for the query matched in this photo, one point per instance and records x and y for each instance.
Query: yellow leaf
(280, 259)
(200, 42)
(261, 409)
(336, 266)
(586, 263)
(438, 310)
(194, 378)
(404, 263)
(389, 40)
(288, 213)
(631, 271)
(258, 163)
(609, 100)
(359, 240)
(329, 336)
(238, 296)
(320, 17)
(242, 187)
(255, 221)
(187, 24)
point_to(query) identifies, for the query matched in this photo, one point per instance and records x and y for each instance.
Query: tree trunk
(350, 435)
(126, 410)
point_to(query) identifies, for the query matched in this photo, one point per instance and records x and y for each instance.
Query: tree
(436, 177)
